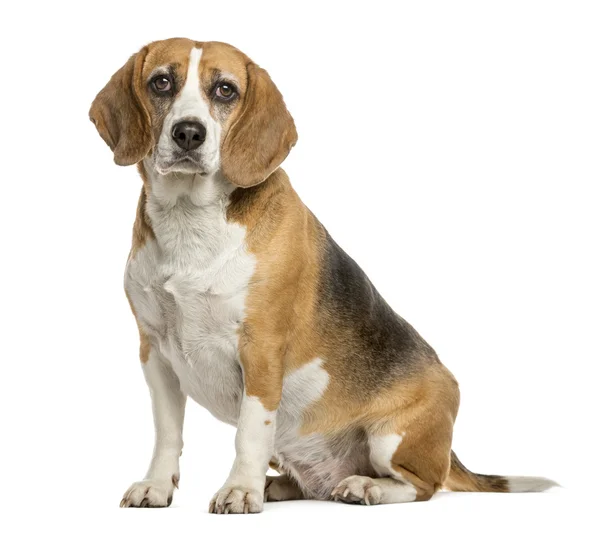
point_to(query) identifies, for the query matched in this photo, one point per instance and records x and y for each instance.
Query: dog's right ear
(262, 136)
(120, 116)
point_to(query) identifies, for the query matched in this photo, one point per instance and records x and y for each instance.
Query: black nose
(189, 135)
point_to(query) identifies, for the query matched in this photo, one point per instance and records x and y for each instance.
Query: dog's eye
(225, 91)
(162, 84)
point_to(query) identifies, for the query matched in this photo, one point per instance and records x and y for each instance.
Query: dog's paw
(236, 500)
(150, 494)
(357, 489)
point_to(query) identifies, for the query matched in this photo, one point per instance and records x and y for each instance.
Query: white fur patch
(253, 444)
(529, 484)
(394, 491)
(301, 388)
(190, 101)
(243, 490)
(382, 449)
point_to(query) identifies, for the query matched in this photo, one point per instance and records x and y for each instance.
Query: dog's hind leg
(395, 484)
(409, 448)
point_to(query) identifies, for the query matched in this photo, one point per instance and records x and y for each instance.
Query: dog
(246, 304)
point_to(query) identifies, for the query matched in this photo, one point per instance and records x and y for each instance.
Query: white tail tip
(529, 484)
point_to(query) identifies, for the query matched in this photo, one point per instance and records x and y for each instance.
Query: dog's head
(195, 108)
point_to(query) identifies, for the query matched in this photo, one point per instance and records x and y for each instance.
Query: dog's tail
(461, 479)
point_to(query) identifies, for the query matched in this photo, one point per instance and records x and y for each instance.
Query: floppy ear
(120, 116)
(262, 136)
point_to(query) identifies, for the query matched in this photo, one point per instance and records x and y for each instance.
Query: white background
(450, 147)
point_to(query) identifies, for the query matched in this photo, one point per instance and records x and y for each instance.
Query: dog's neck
(202, 191)
(186, 214)
(176, 208)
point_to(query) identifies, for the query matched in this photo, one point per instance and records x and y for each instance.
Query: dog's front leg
(254, 441)
(168, 406)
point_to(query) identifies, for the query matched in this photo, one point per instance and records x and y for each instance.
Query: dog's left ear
(261, 137)
(120, 116)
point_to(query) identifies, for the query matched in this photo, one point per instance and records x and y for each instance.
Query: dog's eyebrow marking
(162, 69)
(221, 75)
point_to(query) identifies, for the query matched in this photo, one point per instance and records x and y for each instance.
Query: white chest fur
(189, 286)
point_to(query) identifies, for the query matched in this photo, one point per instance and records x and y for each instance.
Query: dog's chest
(188, 288)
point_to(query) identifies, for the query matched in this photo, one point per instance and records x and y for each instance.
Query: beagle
(247, 305)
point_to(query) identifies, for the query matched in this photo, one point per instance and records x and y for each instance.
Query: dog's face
(195, 108)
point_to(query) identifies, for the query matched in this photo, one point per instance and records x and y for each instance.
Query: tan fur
(142, 228)
(262, 135)
(281, 234)
(121, 114)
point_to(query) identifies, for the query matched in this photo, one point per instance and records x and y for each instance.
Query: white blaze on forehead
(190, 103)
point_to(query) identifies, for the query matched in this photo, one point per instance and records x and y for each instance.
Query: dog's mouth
(186, 163)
